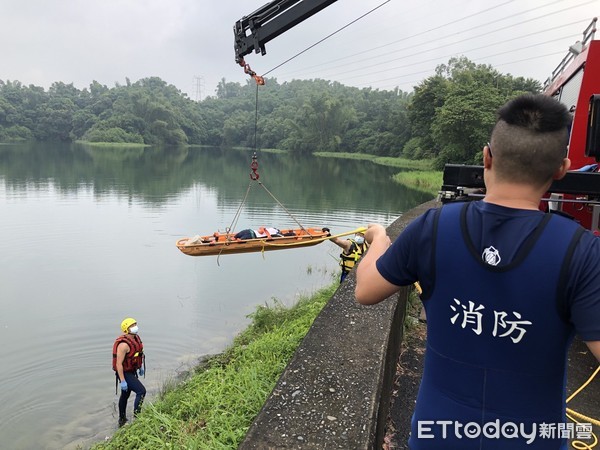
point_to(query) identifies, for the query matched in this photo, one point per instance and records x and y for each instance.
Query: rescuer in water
(505, 288)
(129, 361)
(352, 250)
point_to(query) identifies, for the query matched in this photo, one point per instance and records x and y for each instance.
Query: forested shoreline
(446, 118)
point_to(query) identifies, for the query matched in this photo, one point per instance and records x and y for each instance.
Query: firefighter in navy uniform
(353, 249)
(483, 264)
(128, 361)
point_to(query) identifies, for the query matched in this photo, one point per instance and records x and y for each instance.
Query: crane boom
(253, 31)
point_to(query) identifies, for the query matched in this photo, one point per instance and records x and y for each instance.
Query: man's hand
(124, 386)
(376, 231)
(371, 287)
(141, 372)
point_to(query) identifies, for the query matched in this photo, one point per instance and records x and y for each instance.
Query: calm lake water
(87, 238)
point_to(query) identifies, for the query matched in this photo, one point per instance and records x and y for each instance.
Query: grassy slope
(214, 407)
(417, 174)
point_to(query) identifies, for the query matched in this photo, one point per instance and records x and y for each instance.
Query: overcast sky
(189, 43)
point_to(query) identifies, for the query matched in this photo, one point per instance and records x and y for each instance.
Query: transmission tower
(198, 87)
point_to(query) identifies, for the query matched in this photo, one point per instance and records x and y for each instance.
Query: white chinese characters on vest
(472, 316)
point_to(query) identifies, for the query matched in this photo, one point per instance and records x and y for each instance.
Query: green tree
(320, 124)
(452, 113)
(445, 118)
(56, 121)
(429, 95)
(463, 124)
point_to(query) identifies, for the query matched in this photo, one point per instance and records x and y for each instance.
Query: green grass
(344, 155)
(113, 144)
(383, 160)
(420, 176)
(413, 310)
(426, 181)
(258, 150)
(273, 150)
(213, 408)
(416, 164)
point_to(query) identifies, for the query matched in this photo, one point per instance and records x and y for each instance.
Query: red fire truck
(576, 83)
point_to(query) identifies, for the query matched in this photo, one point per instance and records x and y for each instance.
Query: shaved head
(529, 140)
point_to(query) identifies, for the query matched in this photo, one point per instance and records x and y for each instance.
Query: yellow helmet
(126, 324)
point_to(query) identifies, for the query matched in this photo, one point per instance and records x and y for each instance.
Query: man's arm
(122, 350)
(594, 347)
(371, 287)
(345, 244)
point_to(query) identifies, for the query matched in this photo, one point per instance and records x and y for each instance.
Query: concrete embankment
(336, 390)
(346, 381)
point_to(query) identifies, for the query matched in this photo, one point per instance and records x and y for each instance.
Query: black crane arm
(253, 31)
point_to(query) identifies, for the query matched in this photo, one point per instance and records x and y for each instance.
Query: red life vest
(134, 358)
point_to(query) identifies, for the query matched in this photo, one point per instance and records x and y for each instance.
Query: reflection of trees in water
(156, 174)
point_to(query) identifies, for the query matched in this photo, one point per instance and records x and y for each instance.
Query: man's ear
(562, 170)
(487, 157)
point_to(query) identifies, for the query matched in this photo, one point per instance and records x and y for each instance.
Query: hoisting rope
(234, 222)
(256, 120)
(254, 176)
(260, 81)
(280, 204)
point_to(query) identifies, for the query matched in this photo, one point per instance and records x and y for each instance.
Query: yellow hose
(582, 387)
(571, 414)
(418, 287)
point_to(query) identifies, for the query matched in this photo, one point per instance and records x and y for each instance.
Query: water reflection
(156, 174)
(87, 237)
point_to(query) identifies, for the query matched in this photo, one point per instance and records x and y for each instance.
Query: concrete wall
(335, 392)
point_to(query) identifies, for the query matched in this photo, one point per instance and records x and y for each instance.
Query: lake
(87, 238)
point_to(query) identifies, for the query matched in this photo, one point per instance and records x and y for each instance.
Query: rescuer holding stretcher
(505, 288)
(352, 250)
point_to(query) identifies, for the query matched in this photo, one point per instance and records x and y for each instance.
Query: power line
(485, 33)
(475, 60)
(326, 37)
(482, 58)
(437, 58)
(354, 55)
(336, 75)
